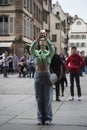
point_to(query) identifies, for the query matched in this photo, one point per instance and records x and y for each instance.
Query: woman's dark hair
(38, 47)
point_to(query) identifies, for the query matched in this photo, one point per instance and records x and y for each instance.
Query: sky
(74, 7)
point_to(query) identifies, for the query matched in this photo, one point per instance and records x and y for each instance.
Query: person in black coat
(63, 74)
(55, 67)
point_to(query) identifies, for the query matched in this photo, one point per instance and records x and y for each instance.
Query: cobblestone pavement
(18, 106)
(15, 85)
(23, 86)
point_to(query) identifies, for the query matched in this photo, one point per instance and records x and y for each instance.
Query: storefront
(9, 46)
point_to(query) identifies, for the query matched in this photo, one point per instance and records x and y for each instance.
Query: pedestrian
(85, 65)
(43, 89)
(63, 79)
(31, 66)
(22, 66)
(1, 68)
(55, 67)
(5, 63)
(74, 62)
(82, 69)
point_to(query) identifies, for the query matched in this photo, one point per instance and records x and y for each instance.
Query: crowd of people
(24, 65)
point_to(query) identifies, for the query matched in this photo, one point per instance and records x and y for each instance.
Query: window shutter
(30, 30)
(11, 25)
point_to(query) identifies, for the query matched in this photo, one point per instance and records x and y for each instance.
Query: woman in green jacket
(43, 89)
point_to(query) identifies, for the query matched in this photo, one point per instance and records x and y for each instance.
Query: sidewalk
(18, 112)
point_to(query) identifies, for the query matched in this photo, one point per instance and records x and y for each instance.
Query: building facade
(46, 15)
(58, 26)
(55, 32)
(21, 22)
(37, 17)
(15, 25)
(78, 36)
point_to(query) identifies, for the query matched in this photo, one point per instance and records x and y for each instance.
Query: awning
(5, 44)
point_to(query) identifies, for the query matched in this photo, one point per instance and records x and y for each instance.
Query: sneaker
(47, 122)
(79, 98)
(40, 123)
(71, 99)
(5, 76)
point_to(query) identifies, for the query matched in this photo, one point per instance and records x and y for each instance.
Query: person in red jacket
(73, 63)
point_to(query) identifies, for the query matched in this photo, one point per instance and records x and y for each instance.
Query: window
(58, 26)
(71, 44)
(77, 36)
(83, 36)
(54, 38)
(57, 13)
(71, 36)
(45, 16)
(34, 8)
(28, 4)
(30, 30)
(36, 12)
(78, 23)
(3, 2)
(24, 27)
(6, 25)
(25, 3)
(82, 44)
(77, 44)
(11, 25)
(34, 32)
(39, 14)
(6, 2)
(27, 28)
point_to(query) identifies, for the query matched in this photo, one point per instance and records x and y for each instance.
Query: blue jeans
(44, 96)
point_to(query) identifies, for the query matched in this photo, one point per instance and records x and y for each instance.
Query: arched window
(78, 23)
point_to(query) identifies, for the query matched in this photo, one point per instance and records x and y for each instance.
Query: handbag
(53, 77)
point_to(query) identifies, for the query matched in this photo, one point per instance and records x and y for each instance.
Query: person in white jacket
(5, 60)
